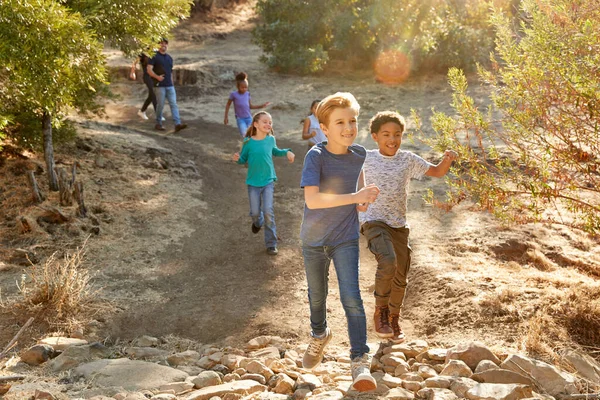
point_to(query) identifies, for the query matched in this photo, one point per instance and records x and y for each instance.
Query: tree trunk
(36, 193)
(49, 151)
(65, 188)
(78, 195)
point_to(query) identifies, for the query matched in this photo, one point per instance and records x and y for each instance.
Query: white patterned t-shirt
(392, 176)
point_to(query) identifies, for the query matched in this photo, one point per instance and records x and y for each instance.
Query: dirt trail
(176, 253)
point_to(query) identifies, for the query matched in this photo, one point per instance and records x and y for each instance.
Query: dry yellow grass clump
(59, 292)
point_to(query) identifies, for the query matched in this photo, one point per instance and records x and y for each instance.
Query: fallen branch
(13, 342)
(36, 194)
(11, 378)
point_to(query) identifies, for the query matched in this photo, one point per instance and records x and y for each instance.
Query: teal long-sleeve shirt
(259, 156)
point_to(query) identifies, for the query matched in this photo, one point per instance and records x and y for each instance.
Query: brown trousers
(392, 251)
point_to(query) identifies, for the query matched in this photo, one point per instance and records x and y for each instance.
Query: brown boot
(398, 336)
(382, 324)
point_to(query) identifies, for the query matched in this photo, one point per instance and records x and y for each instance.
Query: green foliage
(131, 25)
(50, 59)
(540, 161)
(25, 128)
(303, 36)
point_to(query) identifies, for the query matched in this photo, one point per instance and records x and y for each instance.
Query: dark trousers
(151, 96)
(391, 249)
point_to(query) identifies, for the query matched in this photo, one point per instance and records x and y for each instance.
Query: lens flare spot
(392, 67)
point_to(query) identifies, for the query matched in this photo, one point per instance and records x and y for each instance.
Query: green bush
(303, 36)
(25, 128)
(535, 155)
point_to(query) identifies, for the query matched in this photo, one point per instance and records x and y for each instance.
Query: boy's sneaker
(314, 353)
(159, 127)
(272, 251)
(142, 114)
(179, 127)
(398, 336)
(382, 322)
(362, 380)
(255, 229)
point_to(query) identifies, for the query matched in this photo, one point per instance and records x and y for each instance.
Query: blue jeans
(346, 261)
(162, 94)
(243, 125)
(262, 212)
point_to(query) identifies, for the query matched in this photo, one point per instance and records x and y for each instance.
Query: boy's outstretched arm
(437, 171)
(226, 120)
(263, 105)
(315, 199)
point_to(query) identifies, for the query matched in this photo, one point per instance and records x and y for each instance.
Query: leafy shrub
(302, 36)
(25, 128)
(539, 161)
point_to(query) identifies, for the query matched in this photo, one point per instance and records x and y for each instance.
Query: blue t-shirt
(162, 64)
(334, 174)
(241, 104)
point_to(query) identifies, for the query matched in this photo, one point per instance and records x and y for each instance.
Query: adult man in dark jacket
(160, 68)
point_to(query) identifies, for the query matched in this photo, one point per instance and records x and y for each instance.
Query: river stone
(498, 391)
(61, 343)
(37, 354)
(183, 358)
(499, 375)
(485, 365)
(550, 378)
(75, 355)
(129, 374)
(244, 388)
(436, 394)
(457, 368)
(585, 365)
(207, 378)
(399, 393)
(471, 353)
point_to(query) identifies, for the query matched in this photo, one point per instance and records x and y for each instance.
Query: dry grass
(59, 292)
(500, 304)
(569, 317)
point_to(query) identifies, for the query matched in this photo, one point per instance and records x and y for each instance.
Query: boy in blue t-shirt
(333, 191)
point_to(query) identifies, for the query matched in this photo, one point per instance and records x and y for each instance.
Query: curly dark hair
(242, 76)
(384, 117)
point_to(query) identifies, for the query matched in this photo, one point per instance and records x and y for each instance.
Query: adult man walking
(160, 68)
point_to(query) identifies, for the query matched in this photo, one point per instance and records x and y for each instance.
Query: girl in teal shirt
(258, 150)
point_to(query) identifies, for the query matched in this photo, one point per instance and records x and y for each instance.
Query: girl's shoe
(272, 251)
(142, 114)
(314, 352)
(362, 380)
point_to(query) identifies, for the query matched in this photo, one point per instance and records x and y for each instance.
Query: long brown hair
(252, 129)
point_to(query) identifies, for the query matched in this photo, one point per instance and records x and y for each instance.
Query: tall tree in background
(52, 53)
(51, 61)
(536, 155)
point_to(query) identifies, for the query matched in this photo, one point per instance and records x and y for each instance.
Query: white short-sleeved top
(392, 176)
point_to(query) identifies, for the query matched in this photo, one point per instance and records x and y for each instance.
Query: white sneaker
(362, 380)
(162, 119)
(142, 114)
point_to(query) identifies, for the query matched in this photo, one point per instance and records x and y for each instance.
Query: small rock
(471, 353)
(255, 377)
(457, 368)
(437, 394)
(61, 343)
(485, 365)
(183, 358)
(497, 391)
(147, 341)
(38, 354)
(207, 378)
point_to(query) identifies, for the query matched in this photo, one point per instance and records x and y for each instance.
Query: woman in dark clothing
(143, 60)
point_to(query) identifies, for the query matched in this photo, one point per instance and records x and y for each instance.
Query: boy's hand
(450, 155)
(235, 157)
(368, 194)
(226, 121)
(362, 207)
(268, 103)
(291, 156)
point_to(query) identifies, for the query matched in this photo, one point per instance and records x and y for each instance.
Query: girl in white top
(311, 130)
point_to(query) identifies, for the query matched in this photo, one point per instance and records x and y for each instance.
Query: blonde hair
(252, 129)
(337, 100)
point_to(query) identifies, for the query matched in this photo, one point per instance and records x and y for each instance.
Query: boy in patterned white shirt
(384, 222)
